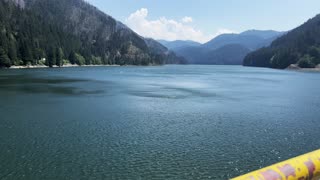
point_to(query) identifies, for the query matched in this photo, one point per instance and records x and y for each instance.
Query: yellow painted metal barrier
(305, 167)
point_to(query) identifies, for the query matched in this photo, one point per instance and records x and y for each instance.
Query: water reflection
(53, 85)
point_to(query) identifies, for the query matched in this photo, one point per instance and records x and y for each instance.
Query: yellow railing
(305, 167)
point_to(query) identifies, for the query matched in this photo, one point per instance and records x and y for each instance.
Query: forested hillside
(300, 46)
(55, 32)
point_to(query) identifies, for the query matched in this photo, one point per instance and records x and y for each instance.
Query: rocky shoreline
(295, 67)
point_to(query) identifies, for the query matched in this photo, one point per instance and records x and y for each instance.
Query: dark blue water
(169, 122)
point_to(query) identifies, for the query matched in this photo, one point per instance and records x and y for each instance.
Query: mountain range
(72, 31)
(228, 49)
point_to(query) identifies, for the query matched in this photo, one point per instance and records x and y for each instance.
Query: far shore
(295, 67)
(64, 66)
(292, 67)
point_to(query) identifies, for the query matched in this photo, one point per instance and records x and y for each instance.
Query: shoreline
(295, 67)
(64, 66)
(292, 67)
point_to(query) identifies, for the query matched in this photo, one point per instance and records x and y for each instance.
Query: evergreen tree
(59, 57)
(314, 52)
(51, 59)
(4, 59)
(26, 54)
(72, 58)
(80, 60)
(306, 62)
(13, 53)
(39, 54)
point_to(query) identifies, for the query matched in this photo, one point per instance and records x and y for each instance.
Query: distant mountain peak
(252, 39)
(265, 34)
(178, 44)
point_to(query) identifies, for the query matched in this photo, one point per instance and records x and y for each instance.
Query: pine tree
(4, 59)
(26, 54)
(51, 59)
(72, 58)
(13, 53)
(80, 60)
(59, 57)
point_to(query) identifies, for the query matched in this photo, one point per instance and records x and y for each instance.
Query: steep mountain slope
(231, 54)
(192, 54)
(225, 39)
(301, 45)
(68, 29)
(228, 46)
(162, 52)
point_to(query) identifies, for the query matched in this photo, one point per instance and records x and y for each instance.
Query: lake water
(166, 122)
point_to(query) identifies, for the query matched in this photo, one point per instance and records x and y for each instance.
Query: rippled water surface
(169, 122)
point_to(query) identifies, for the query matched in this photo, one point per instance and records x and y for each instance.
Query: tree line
(300, 46)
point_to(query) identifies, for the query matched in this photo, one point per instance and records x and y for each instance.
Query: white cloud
(168, 29)
(187, 19)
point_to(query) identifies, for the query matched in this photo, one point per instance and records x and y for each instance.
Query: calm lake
(166, 122)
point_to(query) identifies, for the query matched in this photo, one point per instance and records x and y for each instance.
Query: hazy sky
(201, 20)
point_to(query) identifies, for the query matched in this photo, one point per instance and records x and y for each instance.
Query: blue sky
(201, 20)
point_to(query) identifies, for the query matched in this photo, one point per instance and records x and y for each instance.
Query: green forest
(54, 33)
(300, 46)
